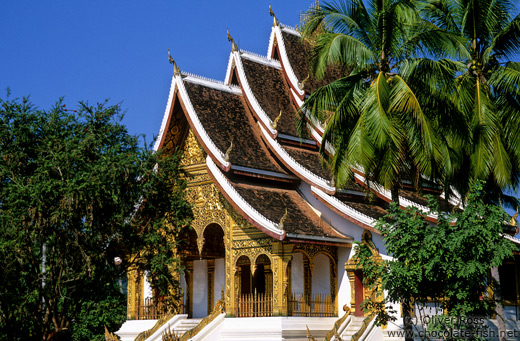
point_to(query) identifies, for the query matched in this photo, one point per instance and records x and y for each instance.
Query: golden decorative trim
(176, 69)
(110, 336)
(301, 84)
(228, 151)
(147, 333)
(234, 46)
(192, 153)
(309, 335)
(200, 244)
(275, 122)
(513, 218)
(282, 220)
(271, 13)
(169, 335)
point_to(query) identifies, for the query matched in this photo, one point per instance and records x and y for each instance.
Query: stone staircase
(184, 325)
(352, 328)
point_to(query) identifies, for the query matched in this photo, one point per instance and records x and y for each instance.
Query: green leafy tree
(374, 117)
(447, 262)
(77, 191)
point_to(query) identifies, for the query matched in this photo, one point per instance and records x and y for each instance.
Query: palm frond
(444, 14)
(507, 42)
(339, 49)
(376, 104)
(405, 104)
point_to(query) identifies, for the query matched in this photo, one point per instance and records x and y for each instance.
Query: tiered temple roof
(255, 156)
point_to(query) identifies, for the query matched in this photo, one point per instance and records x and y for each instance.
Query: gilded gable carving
(192, 152)
(207, 207)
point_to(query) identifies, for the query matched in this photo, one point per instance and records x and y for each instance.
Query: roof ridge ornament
(513, 218)
(282, 220)
(228, 151)
(176, 69)
(275, 122)
(234, 46)
(271, 13)
(301, 84)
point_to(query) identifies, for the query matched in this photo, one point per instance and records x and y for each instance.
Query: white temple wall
(200, 288)
(344, 289)
(219, 282)
(321, 275)
(297, 277)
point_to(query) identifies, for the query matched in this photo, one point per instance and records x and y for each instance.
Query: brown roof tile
(310, 160)
(224, 117)
(298, 53)
(272, 94)
(371, 210)
(272, 202)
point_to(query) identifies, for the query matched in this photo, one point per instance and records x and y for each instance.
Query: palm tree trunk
(499, 308)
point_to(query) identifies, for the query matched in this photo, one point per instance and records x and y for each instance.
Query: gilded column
(211, 286)
(350, 268)
(131, 311)
(282, 255)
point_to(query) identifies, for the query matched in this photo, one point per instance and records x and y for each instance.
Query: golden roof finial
(176, 69)
(234, 46)
(228, 151)
(271, 13)
(284, 217)
(302, 84)
(513, 218)
(275, 122)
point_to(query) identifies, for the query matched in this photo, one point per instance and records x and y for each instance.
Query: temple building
(272, 235)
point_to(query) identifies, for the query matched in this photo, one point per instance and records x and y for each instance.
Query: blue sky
(95, 50)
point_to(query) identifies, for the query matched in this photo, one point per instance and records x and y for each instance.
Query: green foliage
(109, 309)
(76, 191)
(447, 262)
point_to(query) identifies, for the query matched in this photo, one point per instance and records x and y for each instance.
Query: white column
(219, 283)
(200, 288)
(344, 289)
(297, 276)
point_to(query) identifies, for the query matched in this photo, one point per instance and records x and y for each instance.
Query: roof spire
(176, 70)
(275, 122)
(271, 13)
(234, 46)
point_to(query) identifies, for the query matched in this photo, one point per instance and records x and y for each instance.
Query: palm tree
(374, 117)
(486, 93)
(487, 98)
